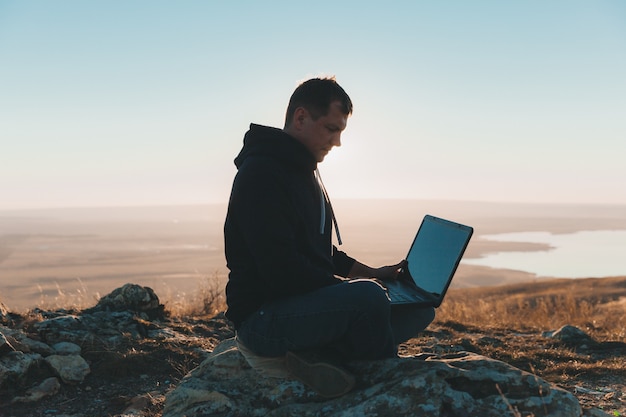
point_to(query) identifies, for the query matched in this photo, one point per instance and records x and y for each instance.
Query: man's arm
(383, 273)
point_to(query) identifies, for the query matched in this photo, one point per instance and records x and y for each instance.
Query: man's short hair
(316, 95)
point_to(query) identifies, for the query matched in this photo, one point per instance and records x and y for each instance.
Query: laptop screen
(436, 253)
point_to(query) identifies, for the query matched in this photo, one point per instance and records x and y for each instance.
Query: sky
(117, 102)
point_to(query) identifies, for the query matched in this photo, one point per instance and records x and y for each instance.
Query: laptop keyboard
(403, 294)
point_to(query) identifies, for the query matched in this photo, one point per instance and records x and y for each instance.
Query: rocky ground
(136, 361)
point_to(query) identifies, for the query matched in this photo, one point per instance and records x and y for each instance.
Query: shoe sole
(324, 378)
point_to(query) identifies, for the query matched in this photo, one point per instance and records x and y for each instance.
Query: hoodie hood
(274, 143)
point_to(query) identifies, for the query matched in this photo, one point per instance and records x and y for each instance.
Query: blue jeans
(354, 320)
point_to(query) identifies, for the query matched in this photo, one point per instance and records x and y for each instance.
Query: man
(290, 292)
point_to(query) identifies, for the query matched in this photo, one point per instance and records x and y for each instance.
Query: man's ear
(299, 116)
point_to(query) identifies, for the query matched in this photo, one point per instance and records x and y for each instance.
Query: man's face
(319, 136)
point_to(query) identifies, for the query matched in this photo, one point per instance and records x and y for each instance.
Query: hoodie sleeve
(268, 223)
(343, 263)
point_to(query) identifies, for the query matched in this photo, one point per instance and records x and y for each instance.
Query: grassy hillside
(597, 305)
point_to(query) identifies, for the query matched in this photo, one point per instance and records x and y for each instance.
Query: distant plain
(48, 257)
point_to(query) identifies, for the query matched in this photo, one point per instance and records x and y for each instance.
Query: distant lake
(583, 254)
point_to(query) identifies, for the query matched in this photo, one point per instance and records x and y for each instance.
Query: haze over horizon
(146, 102)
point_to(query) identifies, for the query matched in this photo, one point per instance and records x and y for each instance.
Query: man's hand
(384, 273)
(390, 273)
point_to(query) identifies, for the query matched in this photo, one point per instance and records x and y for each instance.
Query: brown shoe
(326, 379)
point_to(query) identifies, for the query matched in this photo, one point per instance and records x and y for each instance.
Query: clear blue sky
(146, 102)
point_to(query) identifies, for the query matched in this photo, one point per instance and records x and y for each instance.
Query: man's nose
(336, 141)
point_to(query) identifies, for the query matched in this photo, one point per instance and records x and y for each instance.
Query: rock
(66, 348)
(23, 343)
(27, 344)
(16, 366)
(62, 328)
(49, 386)
(117, 317)
(572, 336)
(19, 341)
(5, 345)
(138, 404)
(111, 325)
(131, 297)
(463, 384)
(5, 315)
(90, 327)
(72, 369)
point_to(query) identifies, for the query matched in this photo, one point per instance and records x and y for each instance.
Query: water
(573, 255)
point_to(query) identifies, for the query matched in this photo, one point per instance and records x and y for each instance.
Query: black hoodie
(277, 237)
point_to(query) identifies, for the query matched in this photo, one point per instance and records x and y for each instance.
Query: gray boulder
(26, 344)
(93, 326)
(66, 348)
(16, 340)
(15, 367)
(132, 297)
(5, 345)
(459, 385)
(72, 369)
(572, 336)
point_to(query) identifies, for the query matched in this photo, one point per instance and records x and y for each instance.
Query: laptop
(431, 263)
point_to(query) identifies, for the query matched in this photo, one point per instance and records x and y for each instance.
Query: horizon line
(225, 202)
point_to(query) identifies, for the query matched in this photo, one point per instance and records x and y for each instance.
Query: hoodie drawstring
(323, 200)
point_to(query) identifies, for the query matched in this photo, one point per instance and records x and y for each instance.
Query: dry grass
(208, 299)
(519, 312)
(595, 305)
(77, 299)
